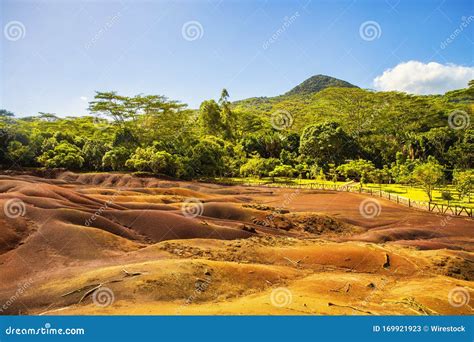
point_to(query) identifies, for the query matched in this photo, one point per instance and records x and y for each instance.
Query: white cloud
(419, 78)
(83, 98)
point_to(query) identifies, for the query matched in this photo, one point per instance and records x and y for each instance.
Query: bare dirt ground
(118, 244)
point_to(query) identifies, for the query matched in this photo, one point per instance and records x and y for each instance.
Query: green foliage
(402, 169)
(428, 175)
(361, 170)
(159, 162)
(116, 158)
(141, 159)
(258, 166)
(19, 153)
(327, 143)
(207, 158)
(446, 196)
(63, 155)
(217, 118)
(93, 152)
(464, 182)
(381, 136)
(282, 171)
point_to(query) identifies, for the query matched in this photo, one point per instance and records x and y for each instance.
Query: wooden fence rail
(432, 207)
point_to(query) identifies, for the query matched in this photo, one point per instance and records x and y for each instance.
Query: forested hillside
(312, 131)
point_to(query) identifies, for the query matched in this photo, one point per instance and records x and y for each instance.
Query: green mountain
(317, 83)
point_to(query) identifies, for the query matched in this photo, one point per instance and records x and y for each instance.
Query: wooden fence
(444, 209)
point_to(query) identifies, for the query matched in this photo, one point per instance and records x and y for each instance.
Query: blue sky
(62, 51)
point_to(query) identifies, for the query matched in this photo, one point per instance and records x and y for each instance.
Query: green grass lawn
(408, 191)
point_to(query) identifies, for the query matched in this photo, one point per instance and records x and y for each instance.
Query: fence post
(409, 203)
